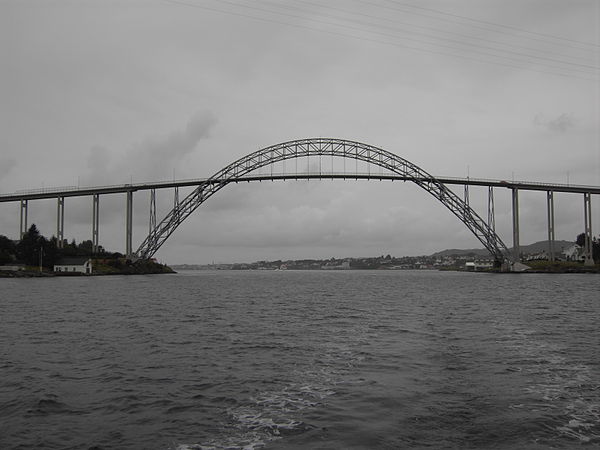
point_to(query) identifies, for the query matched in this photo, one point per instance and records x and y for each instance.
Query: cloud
(152, 158)
(6, 165)
(178, 143)
(560, 124)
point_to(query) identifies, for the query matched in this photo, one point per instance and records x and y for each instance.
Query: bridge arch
(323, 147)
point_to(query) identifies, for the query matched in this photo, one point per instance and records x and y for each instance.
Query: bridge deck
(74, 191)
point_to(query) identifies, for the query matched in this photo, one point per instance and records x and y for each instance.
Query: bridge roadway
(74, 191)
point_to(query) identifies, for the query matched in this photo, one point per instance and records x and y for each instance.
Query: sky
(101, 92)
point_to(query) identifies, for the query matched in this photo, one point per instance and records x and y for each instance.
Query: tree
(51, 252)
(595, 246)
(85, 247)
(8, 250)
(34, 248)
(28, 249)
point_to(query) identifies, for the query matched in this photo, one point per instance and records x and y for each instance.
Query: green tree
(34, 249)
(595, 246)
(28, 249)
(8, 250)
(85, 247)
(51, 252)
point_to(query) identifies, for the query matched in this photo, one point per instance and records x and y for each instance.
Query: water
(300, 360)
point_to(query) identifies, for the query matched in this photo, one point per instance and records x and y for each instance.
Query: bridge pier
(152, 221)
(587, 216)
(176, 202)
(60, 222)
(23, 222)
(491, 212)
(129, 225)
(515, 223)
(95, 222)
(550, 201)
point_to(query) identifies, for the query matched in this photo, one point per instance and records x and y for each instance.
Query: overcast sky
(97, 92)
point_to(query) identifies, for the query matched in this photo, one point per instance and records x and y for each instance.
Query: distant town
(34, 255)
(473, 259)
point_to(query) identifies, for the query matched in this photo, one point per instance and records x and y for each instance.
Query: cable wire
(433, 29)
(396, 44)
(469, 44)
(508, 27)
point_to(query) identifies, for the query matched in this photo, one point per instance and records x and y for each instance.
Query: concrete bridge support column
(152, 221)
(95, 222)
(587, 214)
(176, 202)
(491, 212)
(515, 217)
(129, 225)
(550, 199)
(60, 222)
(23, 222)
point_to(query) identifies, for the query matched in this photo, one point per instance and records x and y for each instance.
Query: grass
(562, 267)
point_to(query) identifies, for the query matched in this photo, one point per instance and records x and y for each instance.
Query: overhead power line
(505, 60)
(394, 21)
(487, 28)
(507, 27)
(421, 41)
(474, 40)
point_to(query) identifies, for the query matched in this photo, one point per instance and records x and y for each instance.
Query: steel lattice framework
(305, 148)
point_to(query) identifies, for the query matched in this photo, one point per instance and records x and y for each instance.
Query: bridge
(385, 165)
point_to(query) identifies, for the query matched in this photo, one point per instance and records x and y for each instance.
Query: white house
(81, 264)
(13, 267)
(476, 266)
(574, 253)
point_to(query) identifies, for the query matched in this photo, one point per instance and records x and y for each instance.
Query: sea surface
(301, 360)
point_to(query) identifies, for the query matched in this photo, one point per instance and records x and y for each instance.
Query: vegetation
(122, 266)
(8, 250)
(561, 267)
(35, 250)
(595, 247)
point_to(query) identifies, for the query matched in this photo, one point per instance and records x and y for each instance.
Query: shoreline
(98, 269)
(33, 274)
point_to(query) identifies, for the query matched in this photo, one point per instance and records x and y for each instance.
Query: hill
(530, 249)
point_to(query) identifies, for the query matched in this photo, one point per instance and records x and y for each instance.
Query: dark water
(296, 360)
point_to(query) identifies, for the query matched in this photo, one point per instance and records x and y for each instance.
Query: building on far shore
(574, 253)
(476, 266)
(12, 267)
(81, 264)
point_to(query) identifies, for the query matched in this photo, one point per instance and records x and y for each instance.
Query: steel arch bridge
(340, 148)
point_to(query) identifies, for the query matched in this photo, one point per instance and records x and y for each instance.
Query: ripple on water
(299, 360)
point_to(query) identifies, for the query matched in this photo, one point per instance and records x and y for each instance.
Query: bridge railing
(50, 192)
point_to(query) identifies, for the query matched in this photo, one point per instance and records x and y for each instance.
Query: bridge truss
(335, 148)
